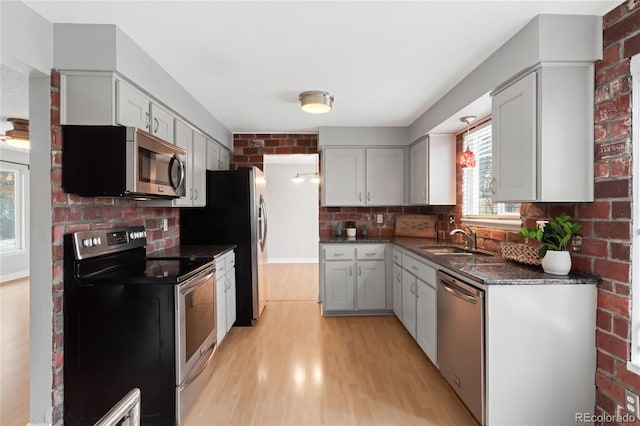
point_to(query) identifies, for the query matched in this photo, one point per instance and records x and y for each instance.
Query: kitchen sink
(451, 250)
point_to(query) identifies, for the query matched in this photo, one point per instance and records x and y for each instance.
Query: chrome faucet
(470, 237)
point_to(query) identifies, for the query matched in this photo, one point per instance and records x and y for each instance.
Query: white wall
(292, 210)
(26, 41)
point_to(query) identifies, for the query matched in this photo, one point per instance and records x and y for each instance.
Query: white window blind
(476, 181)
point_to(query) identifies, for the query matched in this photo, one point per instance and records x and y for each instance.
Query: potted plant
(555, 237)
(351, 228)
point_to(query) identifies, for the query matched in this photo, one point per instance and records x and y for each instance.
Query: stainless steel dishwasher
(461, 341)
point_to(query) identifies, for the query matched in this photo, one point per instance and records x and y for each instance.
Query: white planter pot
(557, 262)
(351, 232)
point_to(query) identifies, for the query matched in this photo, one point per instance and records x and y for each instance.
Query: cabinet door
(514, 141)
(418, 172)
(371, 285)
(184, 139)
(441, 170)
(225, 161)
(161, 123)
(426, 325)
(397, 291)
(409, 302)
(213, 155)
(230, 278)
(339, 285)
(132, 107)
(221, 308)
(343, 177)
(198, 169)
(385, 177)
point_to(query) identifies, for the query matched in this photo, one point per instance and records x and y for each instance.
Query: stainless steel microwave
(116, 161)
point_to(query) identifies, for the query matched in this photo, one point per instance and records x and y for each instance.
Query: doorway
(292, 244)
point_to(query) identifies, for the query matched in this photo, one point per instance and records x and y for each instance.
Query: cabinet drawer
(370, 251)
(397, 257)
(424, 272)
(338, 253)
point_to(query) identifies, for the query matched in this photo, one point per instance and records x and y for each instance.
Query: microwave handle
(182, 171)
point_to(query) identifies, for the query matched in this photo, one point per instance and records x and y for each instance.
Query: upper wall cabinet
(217, 156)
(363, 177)
(542, 127)
(137, 110)
(432, 170)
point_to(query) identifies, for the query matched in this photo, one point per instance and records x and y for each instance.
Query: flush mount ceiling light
(467, 158)
(316, 101)
(18, 137)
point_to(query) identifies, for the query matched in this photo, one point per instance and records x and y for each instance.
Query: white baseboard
(293, 260)
(13, 276)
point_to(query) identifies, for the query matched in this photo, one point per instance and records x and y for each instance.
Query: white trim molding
(506, 224)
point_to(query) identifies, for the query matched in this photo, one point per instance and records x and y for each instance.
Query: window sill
(634, 367)
(511, 224)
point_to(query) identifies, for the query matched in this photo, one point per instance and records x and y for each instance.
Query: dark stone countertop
(200, 252)
(488, 268)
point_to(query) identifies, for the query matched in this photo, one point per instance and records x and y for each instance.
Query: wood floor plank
(299, 368)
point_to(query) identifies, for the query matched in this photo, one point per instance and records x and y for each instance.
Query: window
(13, 182)
(477, 199)
(634, 363)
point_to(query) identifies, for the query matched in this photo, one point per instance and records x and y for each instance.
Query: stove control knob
(95, 241)
(87, 242)
(132, 236)
(144, 234)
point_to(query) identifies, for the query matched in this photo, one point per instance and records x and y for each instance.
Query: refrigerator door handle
(262, 223)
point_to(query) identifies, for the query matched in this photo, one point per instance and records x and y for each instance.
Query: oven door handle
(194, 282)
(195, 375)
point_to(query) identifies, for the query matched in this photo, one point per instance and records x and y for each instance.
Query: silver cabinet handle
(491, 186)
(196, 191)
(399, 279)
(338, 254)
(155, 120)
(360, 270)
(368, 196)
(415, 268)
(359, 196)
(147, 124)
(350, 271)
(370, 254)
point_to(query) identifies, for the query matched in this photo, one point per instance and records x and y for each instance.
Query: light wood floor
(299, 368)
(14, 353)
(292, 281)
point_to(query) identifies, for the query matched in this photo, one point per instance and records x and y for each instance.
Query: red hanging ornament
(467, 158)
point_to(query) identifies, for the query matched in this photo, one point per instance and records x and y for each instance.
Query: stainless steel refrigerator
(235, 213)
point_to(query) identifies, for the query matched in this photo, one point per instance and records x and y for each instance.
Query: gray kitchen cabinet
(397, 290)
(363, 176)
(432, 170)
(217, 156)
(419, 303)
(135, 109)
(542, 124)
(409, 318)
(353, 279)
(225, 294)
(193, 142)
(339, 285)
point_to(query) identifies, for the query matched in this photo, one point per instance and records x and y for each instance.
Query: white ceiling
(386, 62)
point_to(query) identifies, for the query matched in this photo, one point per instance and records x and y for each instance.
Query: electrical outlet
(379, 219)
(576, 243)
(165, 225)
(631, 402)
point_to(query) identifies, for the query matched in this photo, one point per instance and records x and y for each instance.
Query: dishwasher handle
(458, 292)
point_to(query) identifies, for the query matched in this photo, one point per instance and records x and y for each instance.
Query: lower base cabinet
(353, 279)
(418, 305)
(225, 294)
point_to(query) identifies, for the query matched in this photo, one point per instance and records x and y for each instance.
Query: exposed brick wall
(331, 216)
(72, 213)
(249, 148)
